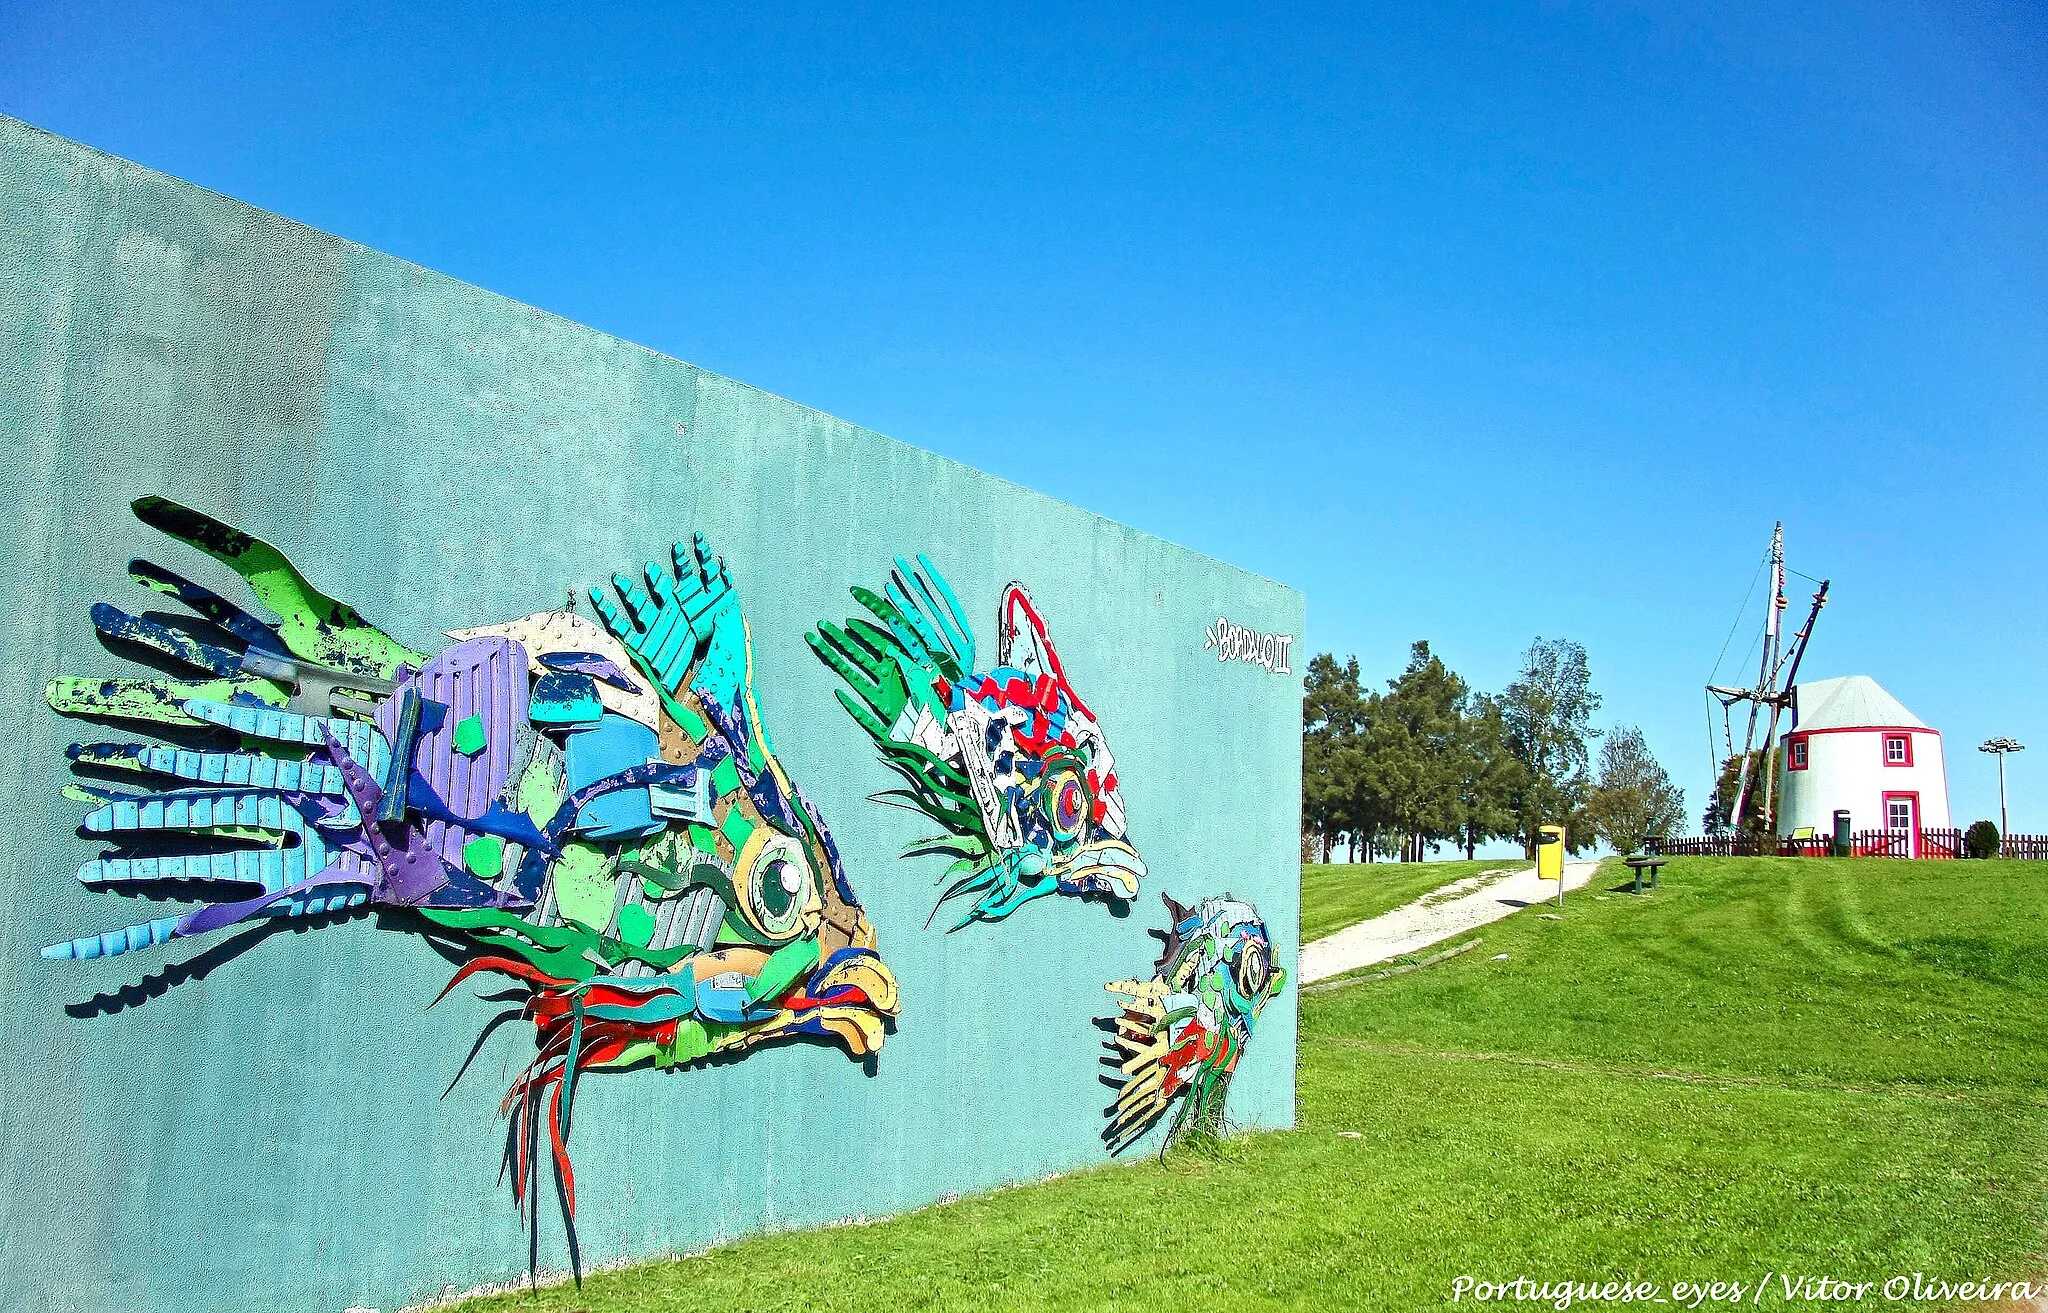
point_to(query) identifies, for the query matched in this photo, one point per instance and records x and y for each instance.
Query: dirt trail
(1436, 916)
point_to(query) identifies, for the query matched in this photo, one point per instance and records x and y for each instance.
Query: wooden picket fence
(1718, 845)
(1935, 845)
(1880, 843)
(1942, 844)
(1713, 844)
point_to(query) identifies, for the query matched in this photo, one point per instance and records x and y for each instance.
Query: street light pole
(1999, 748)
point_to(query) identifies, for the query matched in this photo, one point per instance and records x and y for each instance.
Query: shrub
(1981, 839)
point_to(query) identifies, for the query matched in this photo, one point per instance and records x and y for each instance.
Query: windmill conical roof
(1851, 702)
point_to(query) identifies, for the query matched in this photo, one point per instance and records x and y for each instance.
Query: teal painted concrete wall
(268, 1131)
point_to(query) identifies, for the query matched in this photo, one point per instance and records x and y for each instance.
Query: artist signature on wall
(1234, 642)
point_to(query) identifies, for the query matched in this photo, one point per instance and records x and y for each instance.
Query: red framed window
(1898, 749)
(1795, 754)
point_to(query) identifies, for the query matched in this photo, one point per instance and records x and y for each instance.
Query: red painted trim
(1796, 752)
(1884, 811)
(1015, 599)
(1874, 729)
(1885, 747)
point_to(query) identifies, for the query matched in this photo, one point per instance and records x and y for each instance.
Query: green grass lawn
(1819, 1067)
(1342, 894)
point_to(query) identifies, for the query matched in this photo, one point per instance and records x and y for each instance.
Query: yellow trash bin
(1550, 852)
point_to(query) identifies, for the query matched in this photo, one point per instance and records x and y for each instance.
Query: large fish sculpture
(1178, 1036)
(591, 810)
(1009, 763)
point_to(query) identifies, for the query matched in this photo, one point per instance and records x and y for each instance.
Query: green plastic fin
(161, 701)
(316, 627)
(784, 967)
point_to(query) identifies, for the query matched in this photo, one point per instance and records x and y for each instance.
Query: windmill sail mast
(1770, 691)
(1767, 676)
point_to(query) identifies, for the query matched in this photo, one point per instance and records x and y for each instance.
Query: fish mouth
(852, 997)
(1106, 866)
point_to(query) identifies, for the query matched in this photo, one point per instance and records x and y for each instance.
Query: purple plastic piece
(592, 664)
(215, 916)
(481, 677)
(409, 871)
(760, 785)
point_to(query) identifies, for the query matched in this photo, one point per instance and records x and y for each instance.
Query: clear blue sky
(1518, 320)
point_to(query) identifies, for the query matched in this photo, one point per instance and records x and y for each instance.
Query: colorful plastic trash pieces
(611, 745)
(561, 698)
(1009, 762)
(592, 809)
(1179, 1035)
(470, 737)
(501, 790)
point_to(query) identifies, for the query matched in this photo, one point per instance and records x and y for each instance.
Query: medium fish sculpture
(1009, 763)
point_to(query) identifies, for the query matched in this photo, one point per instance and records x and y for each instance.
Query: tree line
(1430, 761)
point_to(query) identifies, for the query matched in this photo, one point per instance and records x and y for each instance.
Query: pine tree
(1488, 776)
(1332, 707)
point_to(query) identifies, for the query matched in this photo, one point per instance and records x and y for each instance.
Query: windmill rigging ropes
(1777, 676)
(1714, 761)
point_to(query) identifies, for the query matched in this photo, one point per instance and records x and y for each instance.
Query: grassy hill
(1770, 1066)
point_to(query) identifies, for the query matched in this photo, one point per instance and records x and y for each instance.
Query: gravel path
(1451, 910)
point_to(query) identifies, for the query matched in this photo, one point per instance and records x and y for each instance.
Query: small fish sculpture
(1179, 1035)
